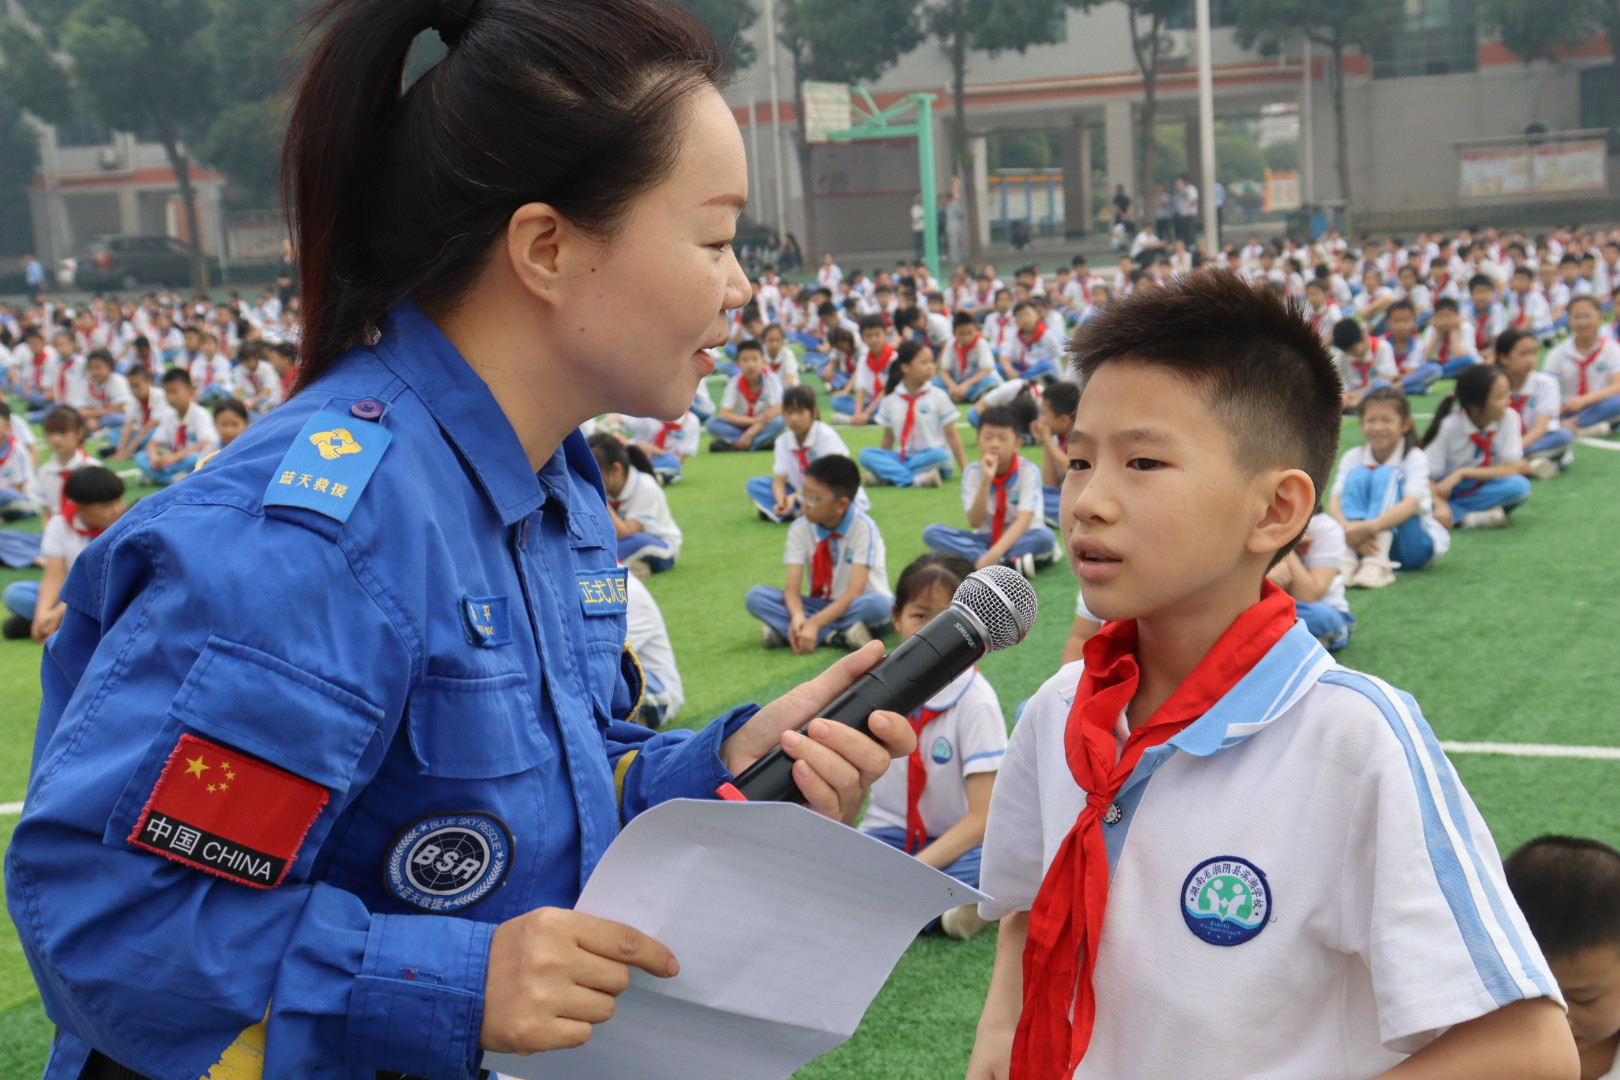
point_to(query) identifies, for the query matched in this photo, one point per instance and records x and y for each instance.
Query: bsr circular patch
(447, 862)
(1226, 900)
(941, 751)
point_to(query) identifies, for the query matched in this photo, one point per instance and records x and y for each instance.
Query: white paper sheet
(786, 925)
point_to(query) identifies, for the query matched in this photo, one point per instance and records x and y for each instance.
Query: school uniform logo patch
(448, 862)
(941, 751)
(1226, 900)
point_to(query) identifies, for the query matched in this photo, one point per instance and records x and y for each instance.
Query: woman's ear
(536, 238)
(1290, 501)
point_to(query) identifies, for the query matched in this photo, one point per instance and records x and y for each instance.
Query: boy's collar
(1265, 692)
(842, 528)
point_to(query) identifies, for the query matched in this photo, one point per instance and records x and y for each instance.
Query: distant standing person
(1122, 206)
(919, 225)
(953, 228)
(286, 274)
(34, 275)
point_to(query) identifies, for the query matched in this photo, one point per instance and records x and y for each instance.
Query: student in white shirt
(1449, 342)
(1037, 349)
(211, 370)
(1476, 452)
(1003, 501)
(1527, 309)
(1587, 367)
(663, 695)
(804, 439)
(871, 371)
(64, 435)
(95, 499)
(1415, 370)
(1534, 395)
(967, 363)
(184, 435)
(1313, 574)
(1320, 312)
(1000, 328)
(750, 414)
(934, 805)
(780, 359)
(1364, 363)
(16, 471)
(143, 413)
(919, 425)
(839, 544)
(1381, 497)
(1485, 313)
(106, 397)
(649, 541)
(257, 382)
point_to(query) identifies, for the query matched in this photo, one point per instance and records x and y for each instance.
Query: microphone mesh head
(1003, 600)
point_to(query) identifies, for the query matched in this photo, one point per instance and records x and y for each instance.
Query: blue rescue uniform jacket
(370, 594)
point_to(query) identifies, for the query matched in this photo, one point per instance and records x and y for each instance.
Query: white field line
(1601, 444)
(1590, 753)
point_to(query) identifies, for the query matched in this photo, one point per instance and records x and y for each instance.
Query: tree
(1535, 30)
(989, 26)
(840, 42)
(1335, 25)
(1282, 157)
(726, 20)
(1238, 157)
(253, 46)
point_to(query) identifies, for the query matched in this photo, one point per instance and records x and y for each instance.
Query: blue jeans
(872, 608)
(964, 869)
(763, 496)
(1053, 497)
(887, 466)
(977, 390)
(1603, 412)
(1426, 375)
(21, 598)
(16, 505)
(1040, 369)
(972, 546)
(1456, 366)
(1327, 624)
(168, 474)
(1508, 492)
(836, 381)
(720, 429)
(648, 549)
(1554, 444)
(1371, 492)
(667, 467)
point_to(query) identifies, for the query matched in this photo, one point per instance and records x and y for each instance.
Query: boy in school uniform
(1001, 496)
(94, 500)
(1363, 363)
(1416, 372)
(1053, 422)
(1313, 574)
(849, 602)
(257, 382)
(872, 362)
(1160, 919)
(1535, 396)
(1485, 313)
(1322, 313)
(667, 443)
(106, 393)
(1527, 308)
(804, 439)
(750, 414)
(999, 325)
(64, 434)
(1450, 342)
(1569, 889)
(16, 472)
(1037, 350)
(646, 634)
(143, 413)
(1587, 367)
(184, 436)
(967, 364)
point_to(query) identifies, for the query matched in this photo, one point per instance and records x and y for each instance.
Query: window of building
(1222, 13)
(1428, 37)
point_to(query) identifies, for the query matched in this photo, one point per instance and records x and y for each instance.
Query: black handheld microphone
(993, 608)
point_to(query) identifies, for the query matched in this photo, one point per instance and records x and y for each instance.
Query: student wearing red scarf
(93, 498)
(1217, 853)
(1003, 502)
(871, 372)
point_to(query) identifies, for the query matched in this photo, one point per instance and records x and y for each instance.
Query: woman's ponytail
(904, 354)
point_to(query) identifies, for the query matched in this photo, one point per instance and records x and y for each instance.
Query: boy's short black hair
(826, 308)
(910, 316)
(1319, 282)
(1401, 305)
(177, 375)
(62, 418)
(1481, 281)
(1022, 304)
(5, 409)
(841, 476)
(1446, 303)
(1523, 268)
(1000, 416)
(232, 405)
(102, 355)
(749, 346)
(1062, 397)
(872, 322)
(798, 399)
(1569, 891)
(963, 318)
(1347, 334)
(1253, 356)
(93, 484)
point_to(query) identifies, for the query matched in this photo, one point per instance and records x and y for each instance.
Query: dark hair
(1473, 389)
(5, 409)
(1259, 365)
(1482, 281)
(963, 318)
(799, 399)
(1569, 891)
(1347, 333)
(93, 484)
(1446, 303)
(1319, 282)
(1062, 397)
(752, 313)
(609, 451)
(1001, 416)
(750, 346)
(935, 570)
(1523, 268)
(1582, 298)
(1393, 395)
(872, 322)
(1401, 305)
(139, 369)
(102, 355)
(903, 356)
(403, 194)
(1507, 339)
(232, 405)
(62, 418)
(909, 316)
(1022, 304)
(826, 308)
(177, 375)
(841, 475)
(841, 335)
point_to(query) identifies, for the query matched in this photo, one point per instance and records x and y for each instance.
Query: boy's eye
(1143, 464)
(1078, 464)
(722, 246)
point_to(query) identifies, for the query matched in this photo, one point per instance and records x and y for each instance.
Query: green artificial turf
(1509, 639)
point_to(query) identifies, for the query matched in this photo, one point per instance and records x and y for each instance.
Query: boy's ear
(1290, 500)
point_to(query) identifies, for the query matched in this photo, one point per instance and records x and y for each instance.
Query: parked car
(126, 262)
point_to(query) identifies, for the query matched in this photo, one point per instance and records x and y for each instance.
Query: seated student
(806, 438)
(841, 356)
(1410, 289)
(1416, 372)
(1587, 367)
(1381, 496)
(1569, 891)
(1449, 342)
(1534, 395)
(848, 603)
(1364, 364)
(702, 404)
(871, 371)
(967, 365)
(257, 381)
(1527, 309)
(16, 472)
(1140, 896)
(1485, 313)
(211, 370)
(64, 435)
(667, 443)
(663, 695)
(750, 326)
(1051, 431)
(934, 804)
(750, 415)
(919, 425)
(142, 415)
(1313, 574)
(93, 500)
(105, 394)
(1000, 328)
(185, 434)
(1001, 496)
(230, 420)
(1036, 354)
(1476, 452)
(649, 539)
(780, 359)
(1374, 299)
(1320, 311)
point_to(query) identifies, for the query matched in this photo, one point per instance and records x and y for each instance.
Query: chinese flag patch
(228, 814)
